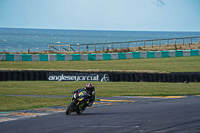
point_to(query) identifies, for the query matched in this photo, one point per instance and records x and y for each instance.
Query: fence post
(183, 41)
(79, 47)
(167, 42)
(160, 42)
(49, 47)
(87, 47)
(136, 44)
(144, 43)
(95, 47)
(103, 46)
(69, 48)
(199, 40)
(175, 42)
(112, 45)
(59, 48)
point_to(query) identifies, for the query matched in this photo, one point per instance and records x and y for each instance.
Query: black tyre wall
(114, 76)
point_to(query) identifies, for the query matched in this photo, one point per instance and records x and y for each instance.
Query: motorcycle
(79, 99)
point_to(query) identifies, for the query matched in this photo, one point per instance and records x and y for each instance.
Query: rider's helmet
(89, 86)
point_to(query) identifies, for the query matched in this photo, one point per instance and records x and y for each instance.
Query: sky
(122, 15)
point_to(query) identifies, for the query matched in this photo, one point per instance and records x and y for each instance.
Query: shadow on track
(84, 114)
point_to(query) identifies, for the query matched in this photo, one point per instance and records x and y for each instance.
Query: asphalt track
(145, 115)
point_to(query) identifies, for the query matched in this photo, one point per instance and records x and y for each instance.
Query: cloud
(160, 3)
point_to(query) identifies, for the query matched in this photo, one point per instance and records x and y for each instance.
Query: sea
(23, 40)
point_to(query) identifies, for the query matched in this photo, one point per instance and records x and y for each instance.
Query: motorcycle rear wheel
(70, 108)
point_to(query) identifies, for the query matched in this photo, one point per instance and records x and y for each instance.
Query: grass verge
(104, 89)
(9, 103)
(175, 64)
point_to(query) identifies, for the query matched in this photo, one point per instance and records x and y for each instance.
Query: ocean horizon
(24, 39)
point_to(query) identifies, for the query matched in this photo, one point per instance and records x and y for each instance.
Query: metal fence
(122, 45)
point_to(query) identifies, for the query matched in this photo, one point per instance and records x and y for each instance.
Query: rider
(90, 90)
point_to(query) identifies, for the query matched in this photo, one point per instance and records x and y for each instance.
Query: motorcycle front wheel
(70, 108)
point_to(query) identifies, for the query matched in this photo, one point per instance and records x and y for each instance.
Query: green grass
(8, 103)
(175, 64)
(104, 89)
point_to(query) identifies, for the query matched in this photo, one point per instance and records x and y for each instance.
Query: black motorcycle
(79, 99)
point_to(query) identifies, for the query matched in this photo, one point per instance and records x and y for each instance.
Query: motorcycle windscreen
(81, 93)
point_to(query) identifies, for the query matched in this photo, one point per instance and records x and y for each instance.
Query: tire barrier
(98, 76)
(101, 56)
